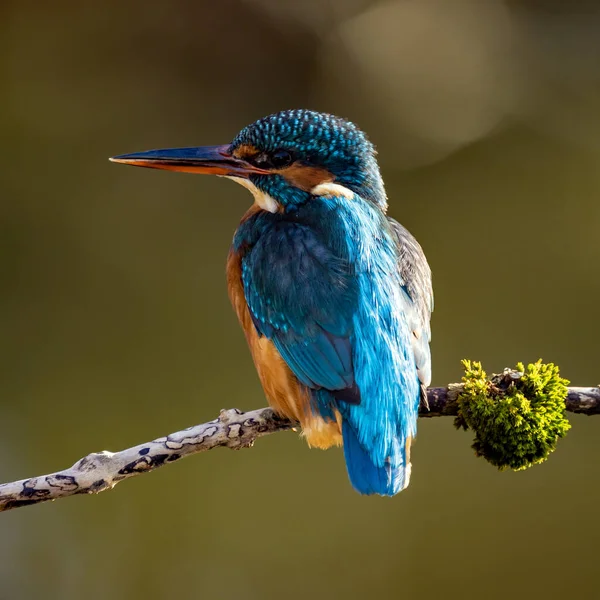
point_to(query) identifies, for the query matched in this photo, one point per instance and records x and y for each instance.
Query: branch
(233, 429)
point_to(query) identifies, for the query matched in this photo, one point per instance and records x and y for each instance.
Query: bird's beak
(211, 160)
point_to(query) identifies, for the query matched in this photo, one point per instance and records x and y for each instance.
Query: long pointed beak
(211, 160)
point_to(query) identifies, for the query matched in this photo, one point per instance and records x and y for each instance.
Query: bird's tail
(368, 478)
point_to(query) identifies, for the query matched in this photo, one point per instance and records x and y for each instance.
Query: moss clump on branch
(517, 416)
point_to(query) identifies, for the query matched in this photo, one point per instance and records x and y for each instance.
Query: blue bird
(333, 295)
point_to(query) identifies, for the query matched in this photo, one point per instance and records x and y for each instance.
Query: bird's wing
(302, 297)
(416, 277)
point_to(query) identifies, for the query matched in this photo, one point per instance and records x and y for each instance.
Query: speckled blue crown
(307, 132)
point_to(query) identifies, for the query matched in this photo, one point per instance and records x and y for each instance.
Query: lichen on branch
(517, 416)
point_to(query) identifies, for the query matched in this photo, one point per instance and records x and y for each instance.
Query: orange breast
(284, 392)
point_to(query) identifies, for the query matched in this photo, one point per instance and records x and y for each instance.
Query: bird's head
(285, 159)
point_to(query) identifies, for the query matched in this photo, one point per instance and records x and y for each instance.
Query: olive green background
(116, 328)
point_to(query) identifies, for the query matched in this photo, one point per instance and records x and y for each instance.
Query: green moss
(517, 416)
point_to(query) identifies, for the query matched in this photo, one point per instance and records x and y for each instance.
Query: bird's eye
(281, 158)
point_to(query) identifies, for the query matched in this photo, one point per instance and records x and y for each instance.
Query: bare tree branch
(233, 429)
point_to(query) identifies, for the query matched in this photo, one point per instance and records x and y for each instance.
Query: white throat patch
(262, 199)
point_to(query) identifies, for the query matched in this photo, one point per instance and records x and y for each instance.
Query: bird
(334, 296)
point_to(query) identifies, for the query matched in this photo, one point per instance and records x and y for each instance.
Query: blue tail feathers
(365, 476)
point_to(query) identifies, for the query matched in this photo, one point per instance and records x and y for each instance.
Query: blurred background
(116, 328)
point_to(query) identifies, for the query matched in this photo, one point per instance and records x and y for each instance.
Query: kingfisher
(333, 295)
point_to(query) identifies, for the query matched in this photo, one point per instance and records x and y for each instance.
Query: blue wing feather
(303, 298)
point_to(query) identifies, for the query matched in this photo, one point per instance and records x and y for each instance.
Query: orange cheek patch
(301, 176)
(306, 178)
(246, 151)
